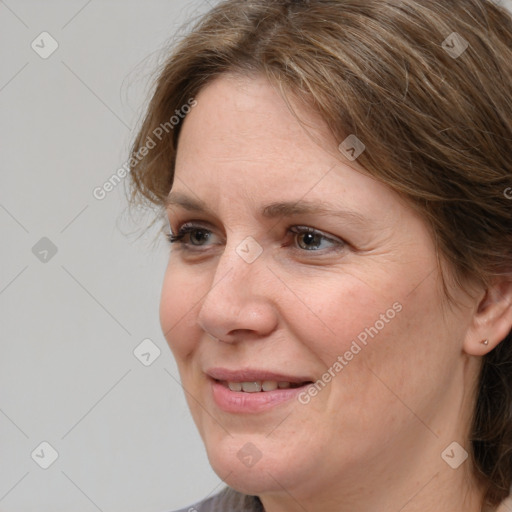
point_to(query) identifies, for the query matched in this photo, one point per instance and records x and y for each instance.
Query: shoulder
(228, 500)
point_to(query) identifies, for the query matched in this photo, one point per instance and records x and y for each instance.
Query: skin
(373, 438)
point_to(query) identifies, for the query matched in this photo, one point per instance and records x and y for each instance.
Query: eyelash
(297, 230)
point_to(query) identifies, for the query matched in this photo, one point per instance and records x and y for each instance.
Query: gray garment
(228, 500)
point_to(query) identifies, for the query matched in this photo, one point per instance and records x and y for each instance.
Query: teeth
(258, 386)
(235, 386)
(251, 387)
(269, 385)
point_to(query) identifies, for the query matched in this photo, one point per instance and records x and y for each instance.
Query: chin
(240, 465)
(252, 481)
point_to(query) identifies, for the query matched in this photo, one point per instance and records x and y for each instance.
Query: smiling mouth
(260, 386)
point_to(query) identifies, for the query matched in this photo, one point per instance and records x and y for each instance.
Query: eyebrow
(273, 210)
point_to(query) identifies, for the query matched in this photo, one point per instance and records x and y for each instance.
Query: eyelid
(185, 228)
(196, 225)
(202, 224)
(309, 229)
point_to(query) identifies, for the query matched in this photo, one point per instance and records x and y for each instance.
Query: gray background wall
(78, 290)
(69, 324)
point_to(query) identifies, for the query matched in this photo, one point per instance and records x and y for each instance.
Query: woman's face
(354, 307)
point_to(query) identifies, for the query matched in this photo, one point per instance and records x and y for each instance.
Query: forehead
(245, 118)
(242, 140)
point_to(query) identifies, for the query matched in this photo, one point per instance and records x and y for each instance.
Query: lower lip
(242, 402)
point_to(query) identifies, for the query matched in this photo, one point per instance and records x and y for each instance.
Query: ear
(492, 318)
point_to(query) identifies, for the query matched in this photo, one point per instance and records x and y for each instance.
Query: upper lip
(252, 375)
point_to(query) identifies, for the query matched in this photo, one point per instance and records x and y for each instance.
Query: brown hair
(437, 127)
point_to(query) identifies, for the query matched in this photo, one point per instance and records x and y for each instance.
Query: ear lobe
(492, 319)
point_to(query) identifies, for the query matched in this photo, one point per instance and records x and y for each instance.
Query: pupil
(200, 235)
(309, 239)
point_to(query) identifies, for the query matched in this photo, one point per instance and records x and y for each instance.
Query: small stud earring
(485, 342)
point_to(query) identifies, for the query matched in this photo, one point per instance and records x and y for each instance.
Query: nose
(239, 302)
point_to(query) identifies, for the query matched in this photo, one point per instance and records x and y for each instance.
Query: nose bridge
(234, 301)
(238, 266)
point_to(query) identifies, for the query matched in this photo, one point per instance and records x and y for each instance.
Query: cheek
(342, 310)
(359, 330)
(176, 311)
(394, 350)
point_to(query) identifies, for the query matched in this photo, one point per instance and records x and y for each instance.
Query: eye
(308, 239)
(312, 238)
(196, 232)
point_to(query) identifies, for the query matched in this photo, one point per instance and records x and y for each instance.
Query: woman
(337, 178)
